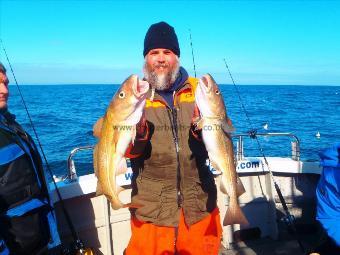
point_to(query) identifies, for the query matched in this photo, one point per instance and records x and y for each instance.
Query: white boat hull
(108, 231)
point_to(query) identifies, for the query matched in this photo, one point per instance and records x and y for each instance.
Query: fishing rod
(288, 219)
(78, 244)
(192, 53)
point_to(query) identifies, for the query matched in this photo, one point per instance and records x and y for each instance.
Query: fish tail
(239, 187)
(235, 215)
(114, 199)
(116, 204)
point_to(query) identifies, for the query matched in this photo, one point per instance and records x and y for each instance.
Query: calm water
(64, 114)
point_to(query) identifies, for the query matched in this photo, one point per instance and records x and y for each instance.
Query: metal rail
(239, 146)
(72, 172)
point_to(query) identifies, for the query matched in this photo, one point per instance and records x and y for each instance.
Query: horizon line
(221, 84)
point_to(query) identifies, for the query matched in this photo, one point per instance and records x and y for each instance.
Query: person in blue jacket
(27, 224)
(328, 200)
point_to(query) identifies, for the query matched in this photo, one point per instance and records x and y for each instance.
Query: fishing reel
(288, 220)
(77, 248)
(252, 133)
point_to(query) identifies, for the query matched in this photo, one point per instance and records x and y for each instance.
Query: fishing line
(78, 242)
(289, 219)
(253, 131)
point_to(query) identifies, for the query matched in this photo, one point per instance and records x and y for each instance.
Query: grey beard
(161, 82)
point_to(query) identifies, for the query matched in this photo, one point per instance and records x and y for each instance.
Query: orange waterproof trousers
(201, 238)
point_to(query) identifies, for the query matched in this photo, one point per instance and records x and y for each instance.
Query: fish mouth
(140, 88)
(205, 85)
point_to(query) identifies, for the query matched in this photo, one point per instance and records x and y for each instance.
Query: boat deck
(310, 236)
(264, 246)
(98, 224)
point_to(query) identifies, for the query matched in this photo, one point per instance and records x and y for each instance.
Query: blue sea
(63, 116)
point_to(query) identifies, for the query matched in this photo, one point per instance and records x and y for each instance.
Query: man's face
(3, 90)
(161, 68)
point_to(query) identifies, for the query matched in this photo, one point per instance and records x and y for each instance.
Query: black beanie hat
(2, 68)
(161, 35)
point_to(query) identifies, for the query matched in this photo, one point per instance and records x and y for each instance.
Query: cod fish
(216, 127)
(116, 131)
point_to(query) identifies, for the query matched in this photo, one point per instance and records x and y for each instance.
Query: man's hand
(195, 117)
(195, 130)
(142, 128)
(136, 148)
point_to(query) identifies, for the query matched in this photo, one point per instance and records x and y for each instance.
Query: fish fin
(97, 127)
(119, 189)
(213, 165)
(199, 123)
(95, 159)
(99, 190)
(235, 215)
(223, 187)
(122, 166)
(116, 203)
(227, 126)
(239, 187)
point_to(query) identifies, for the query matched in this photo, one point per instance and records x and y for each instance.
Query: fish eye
(121, 94)
(217, 92)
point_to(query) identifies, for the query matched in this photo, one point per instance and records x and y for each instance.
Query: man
(171, 180)
(328, 201)
(27, 225)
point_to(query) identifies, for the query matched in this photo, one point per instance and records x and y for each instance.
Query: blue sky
(264, 42)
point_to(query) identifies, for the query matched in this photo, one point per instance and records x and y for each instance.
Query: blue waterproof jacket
(27, 220)
(328, 193)
(3, 248)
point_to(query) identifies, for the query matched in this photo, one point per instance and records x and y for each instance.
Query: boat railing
(295, 145)
(72, 172)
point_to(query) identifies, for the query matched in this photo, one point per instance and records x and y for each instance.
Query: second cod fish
(215, 127)
(116, 130)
